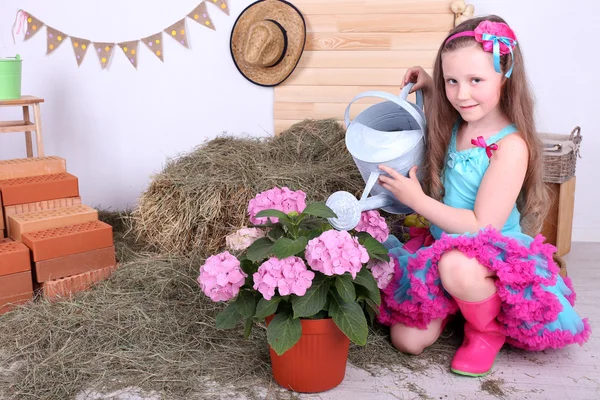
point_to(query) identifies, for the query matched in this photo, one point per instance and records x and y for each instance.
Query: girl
(483, 195)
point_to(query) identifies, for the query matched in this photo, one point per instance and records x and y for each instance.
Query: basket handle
(387, 96)
(577, 130)
(577, 150)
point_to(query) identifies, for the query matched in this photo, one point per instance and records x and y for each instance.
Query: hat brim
(290, 19)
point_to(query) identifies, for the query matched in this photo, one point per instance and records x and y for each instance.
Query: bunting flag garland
(33, 26)
(130, 49)
(55, 39)
(80, 47)
(105, 51)
(30, 25)
(222, 4)
(177, 32)
(154, 43)
(200, 15)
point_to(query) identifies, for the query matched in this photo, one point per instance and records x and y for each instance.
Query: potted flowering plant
(292, 269)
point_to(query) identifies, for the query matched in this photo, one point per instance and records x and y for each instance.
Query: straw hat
(267, 41)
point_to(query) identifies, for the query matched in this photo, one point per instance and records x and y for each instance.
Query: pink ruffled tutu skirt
(537, 303)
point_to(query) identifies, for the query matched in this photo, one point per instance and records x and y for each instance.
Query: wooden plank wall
(357, 45)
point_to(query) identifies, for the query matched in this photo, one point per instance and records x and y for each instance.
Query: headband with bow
(497, 38)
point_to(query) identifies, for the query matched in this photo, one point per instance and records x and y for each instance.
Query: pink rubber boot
(483, 337)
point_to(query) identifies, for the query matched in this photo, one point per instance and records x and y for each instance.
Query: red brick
(65, 287)
(15, 284)
(31, 166)
(52, 218)
(14, 257)
(38, 188)
(73, 239)
(10, 303)
(38, 206)
(74, 264)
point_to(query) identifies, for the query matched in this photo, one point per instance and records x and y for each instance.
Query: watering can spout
(349, 209)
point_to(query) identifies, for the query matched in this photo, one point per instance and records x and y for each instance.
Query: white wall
(117, 127)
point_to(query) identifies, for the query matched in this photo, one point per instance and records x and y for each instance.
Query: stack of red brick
(50, 241)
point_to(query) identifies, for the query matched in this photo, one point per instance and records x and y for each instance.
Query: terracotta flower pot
(316, 363)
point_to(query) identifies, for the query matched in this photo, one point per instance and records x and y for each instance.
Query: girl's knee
(410, 346)
(413, 340)
(455, 267)
(462, 275)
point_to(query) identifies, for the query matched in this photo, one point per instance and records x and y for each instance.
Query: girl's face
(472, 85)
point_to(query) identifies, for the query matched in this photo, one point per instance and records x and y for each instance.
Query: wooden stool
(26, 125)
(558, 224)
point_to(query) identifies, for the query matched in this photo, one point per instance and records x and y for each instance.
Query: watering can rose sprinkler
(391, 133)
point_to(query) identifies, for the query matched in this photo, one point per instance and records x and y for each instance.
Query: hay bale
(202, 196)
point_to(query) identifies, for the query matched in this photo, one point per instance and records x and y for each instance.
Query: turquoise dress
(537, 303)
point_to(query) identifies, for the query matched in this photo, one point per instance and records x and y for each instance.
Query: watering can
(10, 77)
(390, 133)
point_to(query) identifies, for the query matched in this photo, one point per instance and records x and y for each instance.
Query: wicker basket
(560, 155)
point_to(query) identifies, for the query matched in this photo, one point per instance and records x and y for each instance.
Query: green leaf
(267, 307)
(372, 309)
(248, 266)
(229, 317)
(320, 315)
(370, 314)
(246, 304)
(319, 210)
(285, 247)
(365, 278)
(350, 318)
(380, 257)
(272, 213)
(311, 223)
(345, 287)
(373, 246)
(260, 249)
(310, 234)
(276, 232)
(314, 299)
(248, 327)
(283, 332)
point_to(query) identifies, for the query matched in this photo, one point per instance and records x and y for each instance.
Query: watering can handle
(405, 92)
(387, 96)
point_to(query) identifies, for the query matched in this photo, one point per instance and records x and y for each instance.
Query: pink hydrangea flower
(243, 238)
(374, 224)
(221, 277)
(383, 272)
(282, 199)
(288, 275)
(335, 253)
(494, 28)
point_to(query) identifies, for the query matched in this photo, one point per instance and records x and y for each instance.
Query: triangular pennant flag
(33, 26)
(154, 43)
(200, 15)
(177, 32)
(55, 39)
(130, 49)
(80, 47)
(104, 51)
(222, 4)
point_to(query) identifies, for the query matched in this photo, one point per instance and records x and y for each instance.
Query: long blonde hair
(516, 102)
